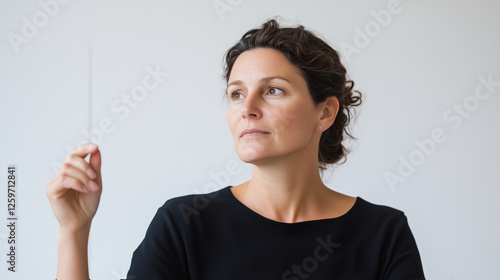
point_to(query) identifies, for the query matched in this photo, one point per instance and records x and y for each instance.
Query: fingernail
(91, 173)
(92, 145)
(93, 185)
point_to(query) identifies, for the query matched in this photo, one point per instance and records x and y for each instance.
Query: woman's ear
(328, 112)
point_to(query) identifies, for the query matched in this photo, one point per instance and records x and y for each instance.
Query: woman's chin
(252, 156)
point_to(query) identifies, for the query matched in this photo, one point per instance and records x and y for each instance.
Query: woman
(289, 106)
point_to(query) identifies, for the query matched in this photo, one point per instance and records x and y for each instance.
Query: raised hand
(74, 192)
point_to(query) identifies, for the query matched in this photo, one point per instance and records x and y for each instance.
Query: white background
(420, 66)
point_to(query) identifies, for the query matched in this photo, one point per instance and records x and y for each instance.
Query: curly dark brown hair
(320, 66)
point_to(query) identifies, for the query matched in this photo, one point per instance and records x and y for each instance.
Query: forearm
(72, 260)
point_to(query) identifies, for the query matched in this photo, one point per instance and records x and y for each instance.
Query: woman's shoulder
(186, 207)
(356, 207)
(197, 200)
(375, 212)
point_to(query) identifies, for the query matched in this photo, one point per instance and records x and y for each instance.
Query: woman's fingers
(81, 164)
(76, 173)
(95, 165)
(70, 171)
(93, 168)
(84, 149)
(69, 178)
(86, 168)
(69, 182)
(61, 183)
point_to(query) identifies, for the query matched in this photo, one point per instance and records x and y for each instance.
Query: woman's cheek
(284, 120)
(232, 121)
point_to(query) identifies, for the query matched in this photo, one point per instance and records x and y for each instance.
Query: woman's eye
(275, 91)
(235, 95)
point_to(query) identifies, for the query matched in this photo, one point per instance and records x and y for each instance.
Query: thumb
(95, 162)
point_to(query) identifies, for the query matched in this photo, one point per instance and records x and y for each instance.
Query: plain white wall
(417, 70)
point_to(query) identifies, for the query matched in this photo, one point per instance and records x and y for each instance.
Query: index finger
(84, 149)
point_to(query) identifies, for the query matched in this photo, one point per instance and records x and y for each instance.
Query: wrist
(78, 238)
(80, 232)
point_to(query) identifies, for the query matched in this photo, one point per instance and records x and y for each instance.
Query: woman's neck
(288, 192)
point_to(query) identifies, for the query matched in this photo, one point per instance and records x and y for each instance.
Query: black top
(215, 236)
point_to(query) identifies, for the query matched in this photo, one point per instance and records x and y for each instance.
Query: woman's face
(267, 93)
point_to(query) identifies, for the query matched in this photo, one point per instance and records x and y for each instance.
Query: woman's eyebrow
(268, 79)
(263, 80)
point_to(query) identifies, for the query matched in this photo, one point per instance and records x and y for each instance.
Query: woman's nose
(251, 106)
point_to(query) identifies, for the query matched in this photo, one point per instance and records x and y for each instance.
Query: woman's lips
(252, 132)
